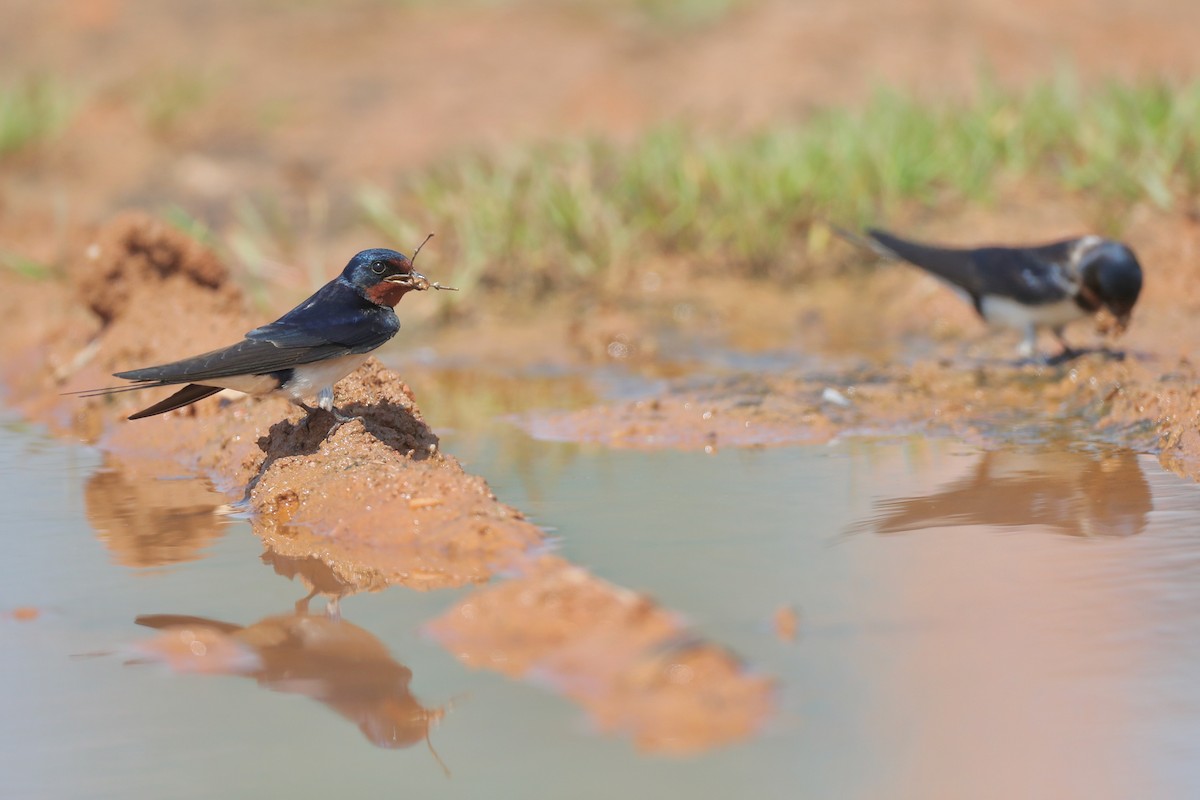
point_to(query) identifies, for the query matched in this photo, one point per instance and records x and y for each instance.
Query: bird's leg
(309, 410)
(302, 603)
(325, 401)
(1028, 347)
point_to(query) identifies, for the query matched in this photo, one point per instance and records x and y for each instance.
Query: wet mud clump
(377, 499)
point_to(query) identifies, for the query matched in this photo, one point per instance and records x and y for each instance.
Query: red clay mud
(23, 614)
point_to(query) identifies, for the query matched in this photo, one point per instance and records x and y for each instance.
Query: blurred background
(566, 145)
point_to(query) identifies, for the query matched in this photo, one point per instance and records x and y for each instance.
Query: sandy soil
(367, 90)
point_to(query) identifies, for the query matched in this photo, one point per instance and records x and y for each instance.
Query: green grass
(31, 111)
(666, 15)
(588, 212)
(24, 266)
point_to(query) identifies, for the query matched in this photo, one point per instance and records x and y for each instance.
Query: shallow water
(1000, 624)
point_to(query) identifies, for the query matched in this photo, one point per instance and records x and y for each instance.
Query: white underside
(1011, 314)
(307, 379)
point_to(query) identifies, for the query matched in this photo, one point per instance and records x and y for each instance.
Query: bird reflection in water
(1076, 494)
(330, 660)
(316, 576)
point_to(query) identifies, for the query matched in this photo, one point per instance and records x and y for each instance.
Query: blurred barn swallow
(304, 352)
(1027, 288)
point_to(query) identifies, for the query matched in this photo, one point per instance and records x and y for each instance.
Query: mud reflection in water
(148, 521)
(1077, 494)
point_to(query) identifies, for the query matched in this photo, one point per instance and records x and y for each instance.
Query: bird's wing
(179, 620)
(296, 338)
(184, 397)
(247, 357)
(1032, 276)
(954, 265)
(1025, 275)
(356, 330)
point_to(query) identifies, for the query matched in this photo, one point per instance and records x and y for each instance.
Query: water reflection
(146, 520)
(330, 660)
(315, 575)
(1076, 494)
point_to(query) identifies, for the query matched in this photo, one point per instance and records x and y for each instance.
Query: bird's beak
(413, 280)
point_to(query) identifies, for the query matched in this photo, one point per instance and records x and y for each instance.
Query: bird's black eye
(378, 267)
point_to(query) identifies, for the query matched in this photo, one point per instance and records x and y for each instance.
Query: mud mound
(139, 256)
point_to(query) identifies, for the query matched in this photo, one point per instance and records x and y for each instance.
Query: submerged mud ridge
(370, 505)
(1132, 403)
(615, 652)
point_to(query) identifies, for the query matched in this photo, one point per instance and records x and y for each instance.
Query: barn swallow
(304, 352)
(1028, 288)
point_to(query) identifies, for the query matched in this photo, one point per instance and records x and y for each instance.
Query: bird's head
(1111, 273)
(383, 276)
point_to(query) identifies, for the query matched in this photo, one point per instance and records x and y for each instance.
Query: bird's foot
(309, 412)
(339, 419)
(1067, 354)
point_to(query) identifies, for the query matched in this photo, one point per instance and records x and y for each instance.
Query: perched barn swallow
(304, 352)
(1027, 288)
